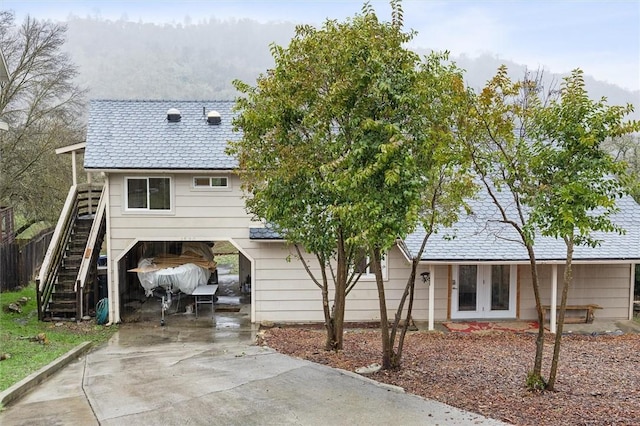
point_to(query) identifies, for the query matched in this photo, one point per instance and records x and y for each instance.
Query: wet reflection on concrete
(146, 329)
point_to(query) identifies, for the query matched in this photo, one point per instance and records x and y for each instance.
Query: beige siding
(283, 291)
(607, 285)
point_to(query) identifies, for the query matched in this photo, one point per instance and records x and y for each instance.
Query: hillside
(134, 60)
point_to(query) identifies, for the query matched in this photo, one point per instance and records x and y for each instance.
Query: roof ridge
(161, 100)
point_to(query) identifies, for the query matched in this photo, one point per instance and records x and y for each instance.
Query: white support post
(554, 298)
(73, 167)
(432, 292)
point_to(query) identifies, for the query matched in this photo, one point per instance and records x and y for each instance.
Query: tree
(498, 137)
(329, 149)
(540, 157)
(626, 148)
(579, 182)
(442, 167)
(42, 107)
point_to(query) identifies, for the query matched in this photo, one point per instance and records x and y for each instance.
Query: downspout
(632, 285)
(114, 316)
(432, 292)
(554, 298)
(253, 290)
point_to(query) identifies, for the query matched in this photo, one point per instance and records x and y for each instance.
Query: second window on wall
(148, 193)
(210, 182)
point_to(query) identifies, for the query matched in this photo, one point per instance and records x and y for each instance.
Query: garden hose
(102, 311)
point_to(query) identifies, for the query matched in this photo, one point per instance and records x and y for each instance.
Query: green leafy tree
(499, 142)
(626, 149)
(579, 182)
(42, 107)
(317, 145)
(441, 166)
(334, 140)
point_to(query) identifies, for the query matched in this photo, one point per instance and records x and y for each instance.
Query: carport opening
(154, 276)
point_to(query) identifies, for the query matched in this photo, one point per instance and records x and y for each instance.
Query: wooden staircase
(71, 260)
(64, 301)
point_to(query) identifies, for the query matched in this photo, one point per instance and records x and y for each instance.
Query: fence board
(20, 260)
(9, 266)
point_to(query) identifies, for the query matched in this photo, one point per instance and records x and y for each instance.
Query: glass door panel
(468, 288)
(500, 286)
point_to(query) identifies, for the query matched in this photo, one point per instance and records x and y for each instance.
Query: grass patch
(230, 260)
(33, 230)
(27, 355)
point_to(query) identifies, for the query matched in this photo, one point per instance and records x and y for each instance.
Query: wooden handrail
(55, 251)
(91, 251)
(79, 202)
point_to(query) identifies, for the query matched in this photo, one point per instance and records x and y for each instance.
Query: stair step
(62, 304)
(77, 245)
(67, 275)
(71, 261)
(65, 289)
(59, 309)
(64, 296)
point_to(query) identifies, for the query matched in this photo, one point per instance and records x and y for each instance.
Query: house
(169, 182)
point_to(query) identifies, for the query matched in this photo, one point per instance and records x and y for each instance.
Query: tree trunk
(537, 365)
(326, 309)
(409, 290)
(387, 347)
(563, 304)
(397, 360)
(340, 295)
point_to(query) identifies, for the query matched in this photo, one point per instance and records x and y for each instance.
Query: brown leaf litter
(598, 376)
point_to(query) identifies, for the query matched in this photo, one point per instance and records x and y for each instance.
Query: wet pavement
(208, 372)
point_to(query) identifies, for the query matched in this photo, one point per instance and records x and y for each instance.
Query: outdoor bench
(588, 309)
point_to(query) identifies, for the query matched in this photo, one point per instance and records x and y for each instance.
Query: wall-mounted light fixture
(426, 277)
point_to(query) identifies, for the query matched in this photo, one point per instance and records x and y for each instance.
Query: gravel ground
(598, 377)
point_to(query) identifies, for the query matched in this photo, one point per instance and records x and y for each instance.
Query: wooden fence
(20, 260)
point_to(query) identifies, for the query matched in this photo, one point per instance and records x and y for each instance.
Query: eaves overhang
(623, 261)
(163, 171)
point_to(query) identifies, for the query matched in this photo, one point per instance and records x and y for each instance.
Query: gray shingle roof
(265, 233)
(480, 237)
(133, 134)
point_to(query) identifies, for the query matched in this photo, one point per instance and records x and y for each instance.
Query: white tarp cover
(184, 278)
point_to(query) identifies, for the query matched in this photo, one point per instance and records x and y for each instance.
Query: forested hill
(135, 60)
(130, 60)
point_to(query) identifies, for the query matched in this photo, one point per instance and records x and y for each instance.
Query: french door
(483, 291)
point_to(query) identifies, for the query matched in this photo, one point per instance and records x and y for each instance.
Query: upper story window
(210, 182)
(148, 193)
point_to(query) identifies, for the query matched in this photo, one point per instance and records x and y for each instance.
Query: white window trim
(369, 275)
(125, 196)
(210, 187)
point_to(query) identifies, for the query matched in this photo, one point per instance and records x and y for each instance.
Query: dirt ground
(598, 379)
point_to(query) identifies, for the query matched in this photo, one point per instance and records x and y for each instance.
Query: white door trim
(483, 295)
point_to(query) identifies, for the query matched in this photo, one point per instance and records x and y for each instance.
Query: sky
(600, 37)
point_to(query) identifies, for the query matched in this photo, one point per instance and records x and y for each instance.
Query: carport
(131, 302)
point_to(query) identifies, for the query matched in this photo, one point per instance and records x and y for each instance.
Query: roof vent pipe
(214, 118)
(173, 115)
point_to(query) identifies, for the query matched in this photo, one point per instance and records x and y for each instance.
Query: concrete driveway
(210, 374)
